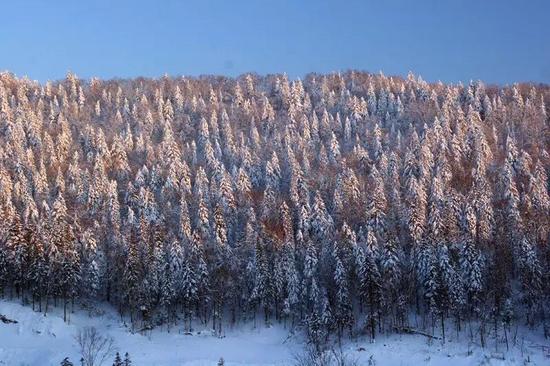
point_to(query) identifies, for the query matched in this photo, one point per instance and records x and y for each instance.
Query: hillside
(341, 205)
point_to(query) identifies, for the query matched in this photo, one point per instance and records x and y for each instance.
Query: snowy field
(38, 340)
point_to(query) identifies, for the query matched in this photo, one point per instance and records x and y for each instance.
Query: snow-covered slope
(38, 340)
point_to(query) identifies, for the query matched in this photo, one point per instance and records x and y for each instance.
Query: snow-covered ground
(38, 340)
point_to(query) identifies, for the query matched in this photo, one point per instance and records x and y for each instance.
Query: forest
(338, 204)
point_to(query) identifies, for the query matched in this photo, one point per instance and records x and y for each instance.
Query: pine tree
(127, 361)
(391, 270)
(133, 274)
(310, 275)
(531, 279)
(263, 291)
(376, 205)
(90, 275)
(510, 198)
(189, 289)
(70, 269)
(4, 273)
(118, 360)
(17, 254)
(416, 215)
(471, 267)
(343, 309)
(370, 286)
(167, 289)
(431, 283)
(66, 362)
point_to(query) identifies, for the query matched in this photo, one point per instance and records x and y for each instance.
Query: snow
(38, 340)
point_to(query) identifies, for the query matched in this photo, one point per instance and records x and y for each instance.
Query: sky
(498, 41)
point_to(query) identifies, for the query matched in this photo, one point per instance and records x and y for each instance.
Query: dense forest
(339, 204)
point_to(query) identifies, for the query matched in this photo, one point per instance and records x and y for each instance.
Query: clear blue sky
(500, 41)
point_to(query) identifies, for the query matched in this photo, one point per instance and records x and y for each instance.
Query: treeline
(342, 202)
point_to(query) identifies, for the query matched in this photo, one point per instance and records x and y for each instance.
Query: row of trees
(342, 202)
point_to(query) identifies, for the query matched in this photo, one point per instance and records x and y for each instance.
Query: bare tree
(311, 356)
(95, 348)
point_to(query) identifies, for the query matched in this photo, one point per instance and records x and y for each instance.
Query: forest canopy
(341, 202)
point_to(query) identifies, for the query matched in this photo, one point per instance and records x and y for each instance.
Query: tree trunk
(443, 326)
(482, 334)
(506, 338)
(496, 334)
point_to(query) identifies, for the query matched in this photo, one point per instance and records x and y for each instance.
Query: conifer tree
(127, 361)
(118, 360)
(66, 362)
(370, 287)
